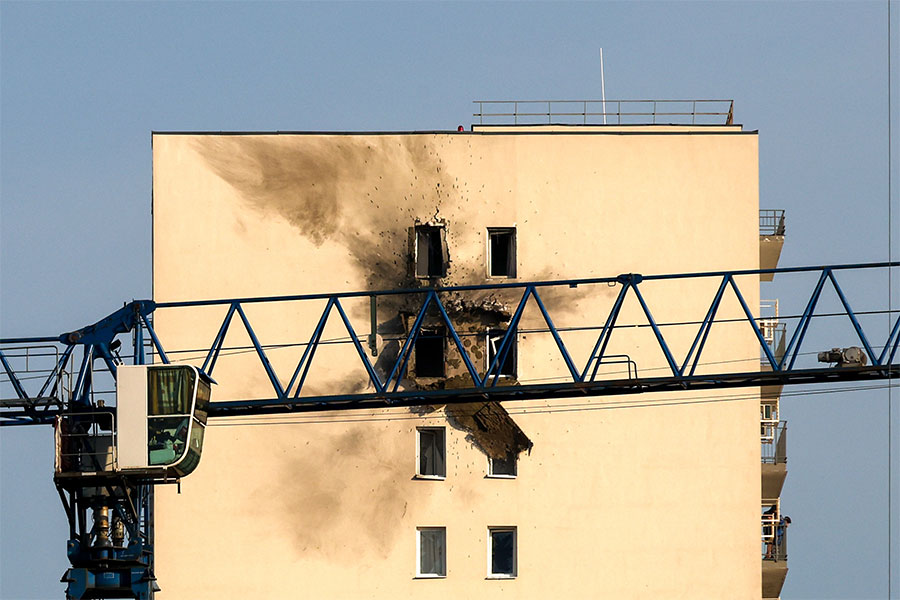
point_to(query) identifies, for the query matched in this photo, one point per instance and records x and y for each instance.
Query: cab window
(170, 391)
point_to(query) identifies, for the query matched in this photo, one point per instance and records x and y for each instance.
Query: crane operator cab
(156, 429)
(161, 416)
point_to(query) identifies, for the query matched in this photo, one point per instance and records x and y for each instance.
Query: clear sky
(82, 85)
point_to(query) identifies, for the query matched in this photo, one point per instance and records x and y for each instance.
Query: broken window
(432, 552)
(503, 467)
(429, 352)
(431, 452)
(431, 251)
(502, 559)
(494, 341)
(502, 252)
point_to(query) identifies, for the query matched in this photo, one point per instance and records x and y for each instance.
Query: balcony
(771, 240)
(773, 332)
(774, 553)
(774, 457)
(772, 328)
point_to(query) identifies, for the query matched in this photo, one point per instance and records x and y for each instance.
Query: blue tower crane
(109, 458)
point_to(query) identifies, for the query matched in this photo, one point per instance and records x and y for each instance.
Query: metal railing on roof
(605, 112)
(771, 222)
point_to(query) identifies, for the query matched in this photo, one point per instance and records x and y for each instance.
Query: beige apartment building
(641, 496)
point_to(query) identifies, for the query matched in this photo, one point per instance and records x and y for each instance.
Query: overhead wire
(890, 221)
(379, 416)
(249, 349)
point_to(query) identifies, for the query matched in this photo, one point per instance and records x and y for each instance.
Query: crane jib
(111, 450)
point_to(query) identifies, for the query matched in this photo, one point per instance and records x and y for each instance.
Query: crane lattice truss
(110, 514)
(98, 342)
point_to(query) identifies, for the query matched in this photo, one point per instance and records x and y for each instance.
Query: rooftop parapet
(604, 112)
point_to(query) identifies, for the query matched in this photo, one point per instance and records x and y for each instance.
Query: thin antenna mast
(602, 86)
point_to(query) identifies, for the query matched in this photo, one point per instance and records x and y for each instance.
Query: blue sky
(82, 85)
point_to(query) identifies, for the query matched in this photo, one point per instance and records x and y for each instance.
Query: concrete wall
(637, 497)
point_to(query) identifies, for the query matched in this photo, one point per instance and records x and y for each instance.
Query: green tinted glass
(169, 390)
(167, 439)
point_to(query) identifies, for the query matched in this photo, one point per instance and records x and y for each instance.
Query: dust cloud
(343, 498)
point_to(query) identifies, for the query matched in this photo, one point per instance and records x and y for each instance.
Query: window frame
(419, 474)
(488, 358)
(490, 552)
(493, 475)
(419, 573)
(442, 240)
(513, 250)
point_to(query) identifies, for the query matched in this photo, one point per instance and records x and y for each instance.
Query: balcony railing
(774, 442)
(771, 222)
(774, 539)
(772, 329)
(605, 112)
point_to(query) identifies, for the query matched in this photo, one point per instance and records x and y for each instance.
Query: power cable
(519, 409)
(890, 503)
(233, 350)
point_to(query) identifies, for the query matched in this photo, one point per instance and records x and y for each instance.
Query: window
(170, 393)
(502, 552)
(431, 251)
(768, 421)
(502, 252)
(503, 467)
(169, 390)
(430, 352)
(494, 340)
(431, 452)
(431, 552)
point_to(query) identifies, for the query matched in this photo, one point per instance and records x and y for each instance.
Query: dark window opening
(504, 467)
(430, 352)
(502, 253)
(494, 342)
(503, 552)
(431, 452)
(430, 251)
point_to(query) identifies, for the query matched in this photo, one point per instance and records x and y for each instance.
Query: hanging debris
(490, 428)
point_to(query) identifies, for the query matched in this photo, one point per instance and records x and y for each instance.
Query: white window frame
(768, 420)
(419, 573)
(514, 349)
(419, 474)
(442, 233)
(514, 250)
(491, 474)
(490, 552)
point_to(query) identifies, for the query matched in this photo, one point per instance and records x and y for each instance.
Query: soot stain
(344, 190)
(335, 512)
(316, 185)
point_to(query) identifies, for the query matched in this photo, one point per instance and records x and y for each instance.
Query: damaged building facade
(642, 497)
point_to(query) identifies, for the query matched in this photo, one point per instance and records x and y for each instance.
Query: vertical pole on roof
(602, 86)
